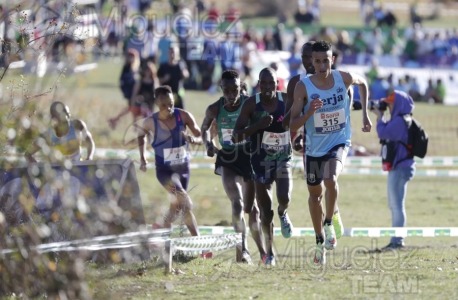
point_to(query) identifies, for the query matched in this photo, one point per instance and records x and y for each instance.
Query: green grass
(362, 200)
(429, 268)
(419, 273)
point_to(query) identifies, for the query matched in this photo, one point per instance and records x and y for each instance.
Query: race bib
(329, 122)
(175, 156)
(275, 141)
(227, 137)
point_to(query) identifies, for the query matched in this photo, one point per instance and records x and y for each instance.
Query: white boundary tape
(369, 165)
(418, 172)
(219, 238)
(158, 238)
(196, 244)
(350, 232)
(125, 240)
(353, 161)
(376, 161)
(356, 165)
(214, 242)
(403, 231)
(359, 171)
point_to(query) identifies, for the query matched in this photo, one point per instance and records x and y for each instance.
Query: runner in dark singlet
(261, 121)
(170, 142)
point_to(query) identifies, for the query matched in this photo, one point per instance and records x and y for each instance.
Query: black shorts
(237, 159)
(177, 176)
(266, 172)
(316, 167)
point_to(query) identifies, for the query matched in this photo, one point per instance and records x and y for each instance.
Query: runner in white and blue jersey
(298, 138)
(321, 104)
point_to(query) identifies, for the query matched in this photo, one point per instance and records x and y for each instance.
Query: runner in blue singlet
(170, 142)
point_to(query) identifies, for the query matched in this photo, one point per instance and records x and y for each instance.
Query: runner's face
(267, 84)
(322, 62)
(307, 60)
(59, 115)
(231, 89)
(165, 103)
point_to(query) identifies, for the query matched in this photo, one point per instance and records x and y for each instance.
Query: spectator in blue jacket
(396, 158)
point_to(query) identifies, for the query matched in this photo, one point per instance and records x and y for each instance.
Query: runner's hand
(297, 144)
(143, 164)
(265, 121)
(211, 149)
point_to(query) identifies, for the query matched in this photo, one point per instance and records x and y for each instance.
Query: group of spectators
(233, 43)
(380, 86)
(238, 46)
(415, 47)
(202, 56)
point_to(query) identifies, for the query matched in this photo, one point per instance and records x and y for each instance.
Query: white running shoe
(330, 241)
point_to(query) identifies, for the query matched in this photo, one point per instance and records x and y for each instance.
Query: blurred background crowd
(200, 39)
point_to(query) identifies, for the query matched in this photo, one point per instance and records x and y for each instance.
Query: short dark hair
(307, 45)
(230, 74)
(268, 70)
(59, 107)
(162, 90)
(321, 46)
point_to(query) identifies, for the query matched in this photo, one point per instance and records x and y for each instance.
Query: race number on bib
(175, 156)
(329, 122)
(275, 141)
(227, 137)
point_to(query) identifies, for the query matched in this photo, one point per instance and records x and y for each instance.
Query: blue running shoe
(268, 260)
(286, 225)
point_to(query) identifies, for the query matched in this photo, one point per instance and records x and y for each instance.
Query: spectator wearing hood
(397, 159)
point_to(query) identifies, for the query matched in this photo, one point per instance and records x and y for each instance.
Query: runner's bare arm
(297, 118)
(289, 100)
(243, 129)
(144, 129)
(356, 79)
(190, 121)
(86, 137)
(210, 116)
